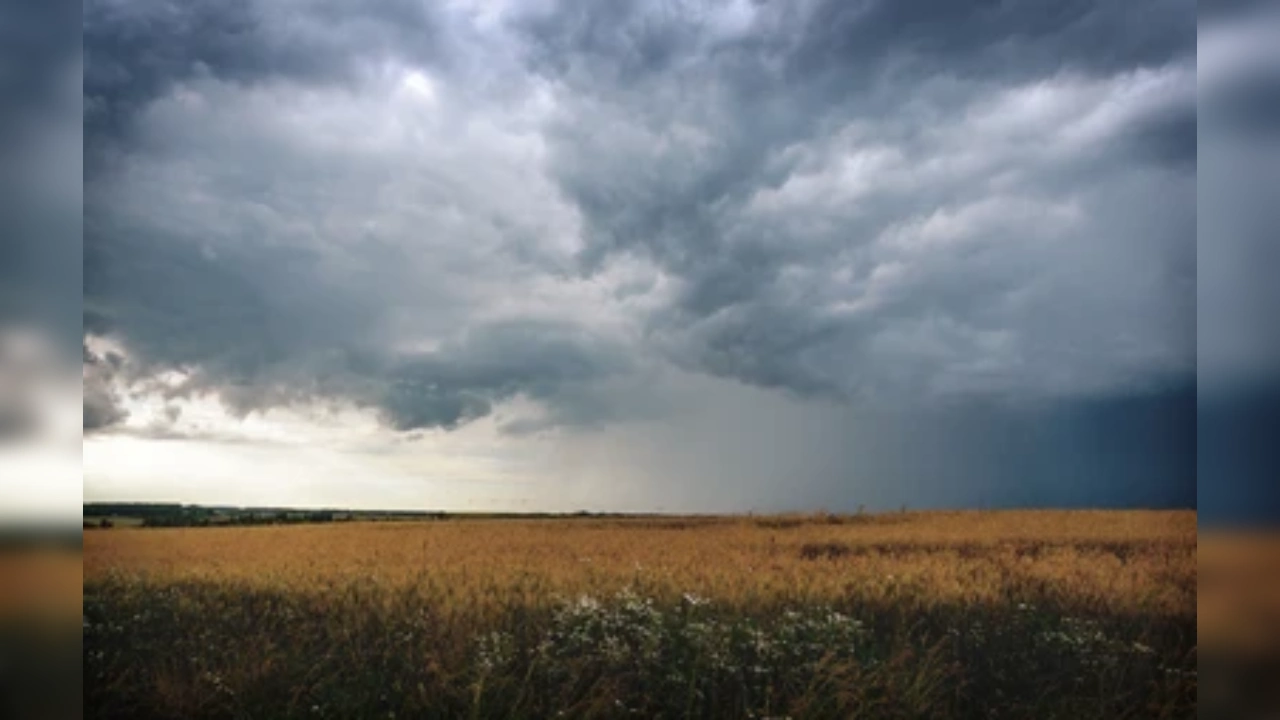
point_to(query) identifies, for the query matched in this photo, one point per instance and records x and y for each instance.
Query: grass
(966, 614)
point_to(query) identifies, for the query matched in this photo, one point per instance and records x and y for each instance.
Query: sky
(677, 256)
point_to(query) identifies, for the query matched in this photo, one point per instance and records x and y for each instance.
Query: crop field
(1026, 614)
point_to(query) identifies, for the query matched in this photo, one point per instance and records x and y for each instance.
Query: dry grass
(1034, 613)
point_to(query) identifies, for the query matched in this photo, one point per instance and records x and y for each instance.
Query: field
(1028, 614)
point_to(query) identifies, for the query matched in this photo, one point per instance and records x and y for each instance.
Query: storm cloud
(534, 212)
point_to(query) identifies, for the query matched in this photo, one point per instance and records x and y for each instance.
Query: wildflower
(695, 600)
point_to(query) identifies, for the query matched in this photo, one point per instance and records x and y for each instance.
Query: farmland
(935, 614)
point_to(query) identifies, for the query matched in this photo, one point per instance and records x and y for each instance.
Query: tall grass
(1029, 614)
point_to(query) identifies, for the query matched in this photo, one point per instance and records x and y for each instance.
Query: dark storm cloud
(463, 380)
(231, 315)
(839, 200)
(1020, 39)
(137, 50)
(228, 323)
(676, 132)
(792, 69)
(102, 407)
(839, 48)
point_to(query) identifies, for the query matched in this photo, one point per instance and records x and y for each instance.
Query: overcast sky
(641, 255)
(687, 256)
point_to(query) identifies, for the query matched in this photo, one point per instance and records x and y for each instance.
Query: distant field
(966, 614)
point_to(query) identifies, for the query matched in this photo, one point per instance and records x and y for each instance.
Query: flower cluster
(681, 650)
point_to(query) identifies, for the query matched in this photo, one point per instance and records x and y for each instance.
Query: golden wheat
(1122, 561)
(1044, 613)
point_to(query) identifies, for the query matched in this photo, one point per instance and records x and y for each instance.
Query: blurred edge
(1239, 624)
(1238, 347)
(41, 214)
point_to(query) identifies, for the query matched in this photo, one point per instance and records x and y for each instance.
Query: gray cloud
(100, 409)
(102, 403)
(138, 51)
(856, 199)
(463, 380)
(436, 215)
(283, 287)
(840, 48)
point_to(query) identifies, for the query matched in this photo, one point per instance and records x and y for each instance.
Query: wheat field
(1070, 614)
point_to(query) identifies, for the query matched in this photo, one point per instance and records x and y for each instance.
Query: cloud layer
(431, 211)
